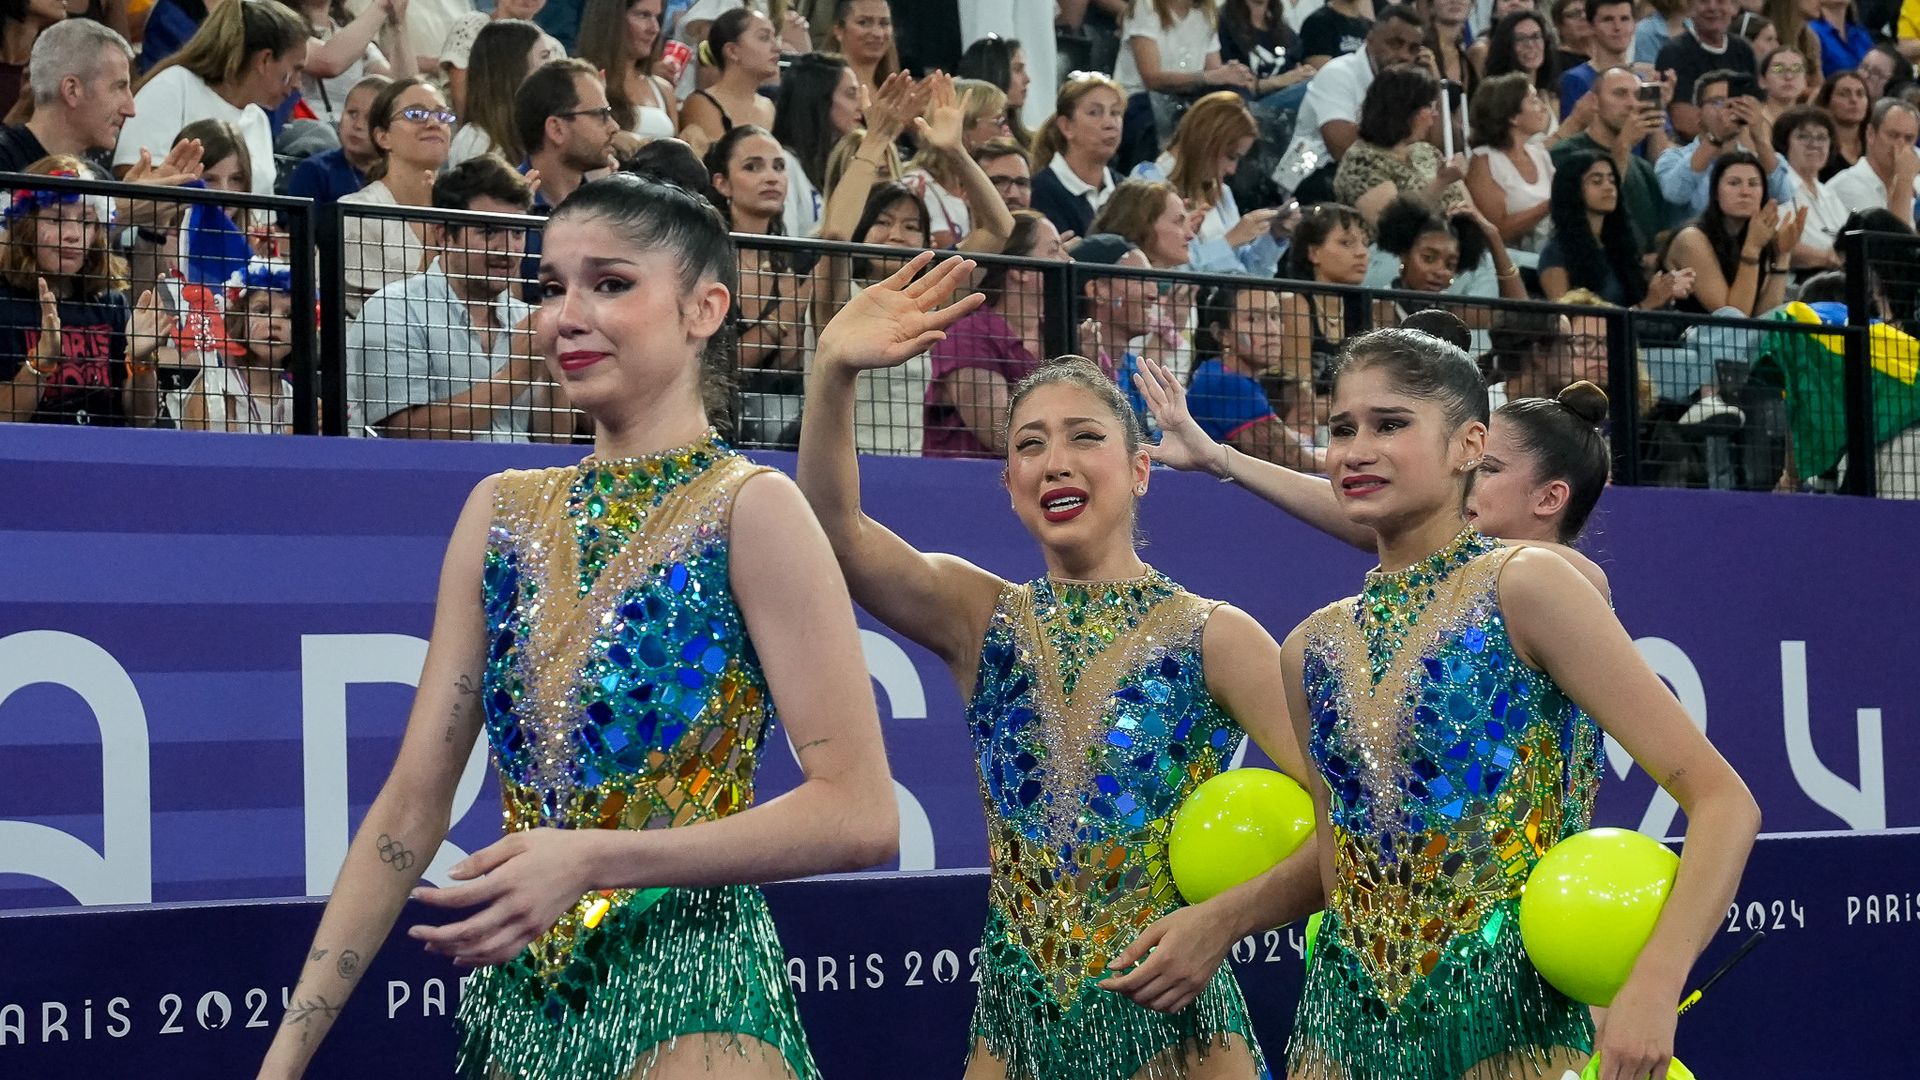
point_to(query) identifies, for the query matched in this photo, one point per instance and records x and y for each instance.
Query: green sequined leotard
(621, 692)
(1091, 723)
(1452, 767)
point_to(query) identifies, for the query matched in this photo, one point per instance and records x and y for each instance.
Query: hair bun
(1586, 401)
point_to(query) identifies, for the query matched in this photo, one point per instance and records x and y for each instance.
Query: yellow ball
(1589, 907)
(1675, 1070)
(1235, 827)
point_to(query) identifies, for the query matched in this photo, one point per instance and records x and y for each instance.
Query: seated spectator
(1666, 20)
(623, 38)
(1759, 32)
(1152, 216)
(1241, 333)
(1509, 175)
(1886, 72)
(21, 24)
(1804, 136)
(1255, 33)
(562, 121)
(1335, 29)
(1575, 34)
(1447, 42)
(1440, 255)
(247, 389)
(445, 353)
(1522, 43)
(71, 349)
(1329, 248)
(1594, 245)
(863, 30)
(948, 180)
(1889, 164)
(817, 106)
(1329, 116)
(890, 404)
(82, 94)
(328, 176)
(693, 22)
(1729, 124)
(1707, 46)
(748, 173)
(1844, 96)
(244, 61)
(1609, 45)
(744, 50)
(1120, 314)
(411, 128)
(455, 59)
(503, 55)
(986, 112)
(1391, 156)
(1072, 152)
(1783, 82)
(1737, 248)
(1002, 62)
(1005, 164)
(1844, 43)
(1536, 354)
(1615, 125)
(1204, 153)
(1170, 49)
(987, 353)
(342, 52)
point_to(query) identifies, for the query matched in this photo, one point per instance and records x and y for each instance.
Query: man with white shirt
(1329, 119)
(1706, 45)
(1889, 163)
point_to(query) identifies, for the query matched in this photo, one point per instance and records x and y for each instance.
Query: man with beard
(561, 116)
(447, 353)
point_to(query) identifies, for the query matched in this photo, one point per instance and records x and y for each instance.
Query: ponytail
(222, 50)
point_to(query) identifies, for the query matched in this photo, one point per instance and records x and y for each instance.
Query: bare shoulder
(1235, 637)
(1576, 559)
(1535, 583)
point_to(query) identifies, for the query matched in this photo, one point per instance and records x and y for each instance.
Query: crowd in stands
(1693, 156)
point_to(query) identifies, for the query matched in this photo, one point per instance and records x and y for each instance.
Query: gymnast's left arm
(842, 816)
(1562, 626)
(1246, 678)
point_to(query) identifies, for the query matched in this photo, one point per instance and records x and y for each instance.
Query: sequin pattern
(1452, 767)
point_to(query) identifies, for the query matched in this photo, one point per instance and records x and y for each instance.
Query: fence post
(1059, 328)
(1356, 312)
(333, 318)
(1623, 386)
(300, 242)
(1860, 478)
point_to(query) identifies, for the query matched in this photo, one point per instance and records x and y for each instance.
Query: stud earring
(1140, 489)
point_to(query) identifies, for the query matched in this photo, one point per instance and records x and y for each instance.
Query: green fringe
(1099, 1035)
(697, 961)
(1483, 999)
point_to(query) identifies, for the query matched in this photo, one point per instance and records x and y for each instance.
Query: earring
(1140, 489)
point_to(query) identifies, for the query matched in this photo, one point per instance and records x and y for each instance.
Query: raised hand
(886, 110)
(49, 310)
(897, 319)
(1762, 227)
(1183, 445)
(150, 326)
(1787, 237)
(945, 122)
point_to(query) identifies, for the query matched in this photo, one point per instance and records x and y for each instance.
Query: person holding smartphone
(1732, 118)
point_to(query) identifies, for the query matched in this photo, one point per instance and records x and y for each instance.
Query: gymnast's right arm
(409, 820)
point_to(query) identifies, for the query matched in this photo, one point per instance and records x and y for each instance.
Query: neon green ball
(1589, 907)
(1234, 827)
(1675, 1070)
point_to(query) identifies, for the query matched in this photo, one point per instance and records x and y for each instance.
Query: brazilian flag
(1812, 370)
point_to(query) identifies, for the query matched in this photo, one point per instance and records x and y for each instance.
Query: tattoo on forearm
(304, 1012)
(315, 955)
(395, 854)
(1674, 777)
(467, 697)
(348, 966)
(806, 746)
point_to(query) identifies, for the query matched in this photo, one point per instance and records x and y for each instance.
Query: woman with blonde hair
(1205, 152)
(1073, 151)
(623, 38)
(947, 183)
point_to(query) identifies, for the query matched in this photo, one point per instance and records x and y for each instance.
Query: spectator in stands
(1759, 32)
(1783, 81)
(1477, 51)
(71, 350)
(1329, 248)
(940, 179)
(864, 31)
(1615, 124)
(1888, 73)
(1510, 175)
(1792, 23)
(562, 120)
(1243, 336)
(1729, 124)
(1529, 353)
(504, 54)
(1255, 34)
(1006, 167)
(1441, 254)
(1329, 117)
(169, 25)
(342, 51)
(1337, 28)
(1594, 244)
(1610, 45)
(1002, 62)
(1570, 26)
(1737, 248)
(456, 52)
(82, 94)
(411, 128)
(1151, 215)
(1845, 98)
(748, 171)
(1706, 47)
(445, 353)
(986, 112)
(1073, 149)
(1666, 20)
(1889, 164)
(1446, 40)
(1844, 43)
(246, 390)
(987, 353)
(964, 209)
(817, 106)
(1204, 153)
(1522, 43)
(331, 174)
(1391, 156)
(623, 38)
(744, 50)
(244, 61)
(1170, 48)
(1804, 136)
(693, 23)
(21, 24)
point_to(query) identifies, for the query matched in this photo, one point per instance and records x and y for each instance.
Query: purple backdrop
(242, 617)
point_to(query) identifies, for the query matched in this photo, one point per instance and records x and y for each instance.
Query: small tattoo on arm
(348, 965)
(315, 955)
(806, 746)
(466, 700)
(304, 1011)
(395, 854)
(1674, 777)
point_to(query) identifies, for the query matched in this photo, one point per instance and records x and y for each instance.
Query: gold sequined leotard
(1451, 767)
(621, 692)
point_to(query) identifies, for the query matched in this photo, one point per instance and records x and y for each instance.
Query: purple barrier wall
(207, 645)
